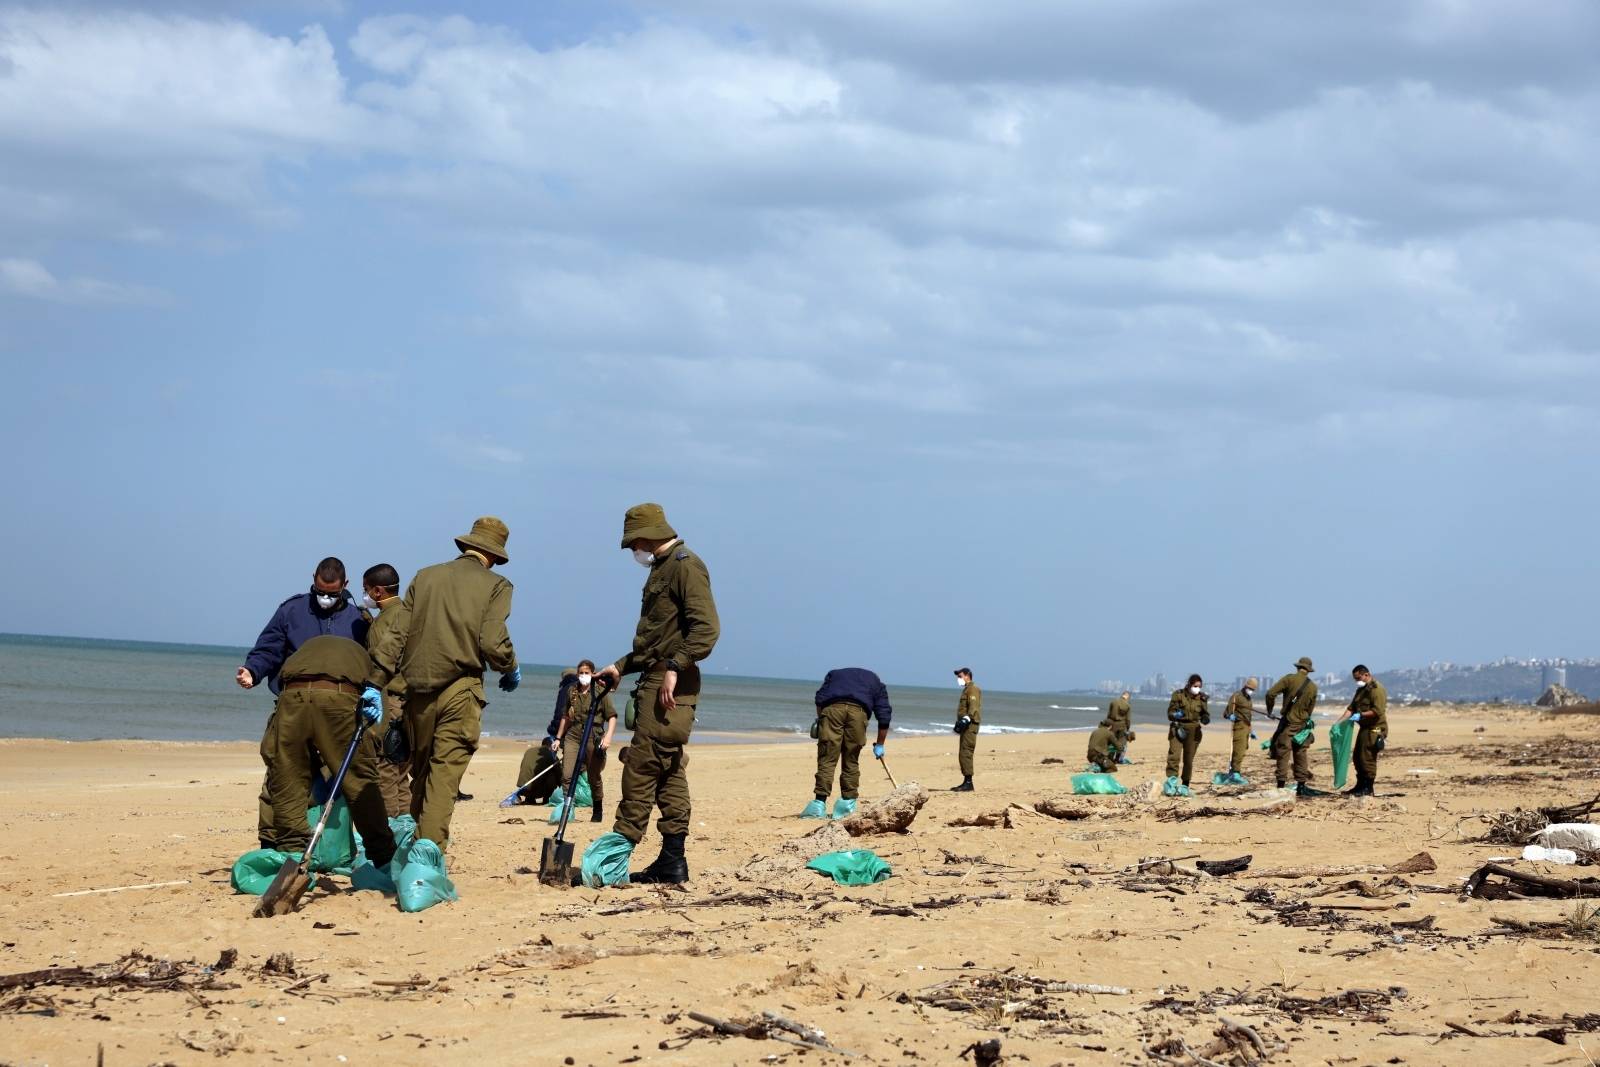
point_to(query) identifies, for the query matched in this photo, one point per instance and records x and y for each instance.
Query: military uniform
(593, 758)
(1299, 694)
(394, 779)
(678, 627)
(970, 706)
(846, 699)
(1103, 749)
(1372, 702)
(455, 629)
(1243, 712)
(317, 717)
(1119, 716)
(1184, 712)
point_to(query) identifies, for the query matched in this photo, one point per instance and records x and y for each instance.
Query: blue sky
(1068, 341)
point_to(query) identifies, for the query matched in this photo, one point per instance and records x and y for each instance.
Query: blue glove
(877, 751)
(511, 679)
(1355, 716)
(1252, 735)
(1229, 716)
(371, 706)
(550, 741)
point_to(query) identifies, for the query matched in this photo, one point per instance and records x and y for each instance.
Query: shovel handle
(601, 691)
(333, 792)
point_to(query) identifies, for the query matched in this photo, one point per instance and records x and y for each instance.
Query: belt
(321, 683)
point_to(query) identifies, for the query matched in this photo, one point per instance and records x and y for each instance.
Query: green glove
(1304, 737)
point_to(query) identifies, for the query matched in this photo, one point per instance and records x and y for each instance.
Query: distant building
(1552, 675)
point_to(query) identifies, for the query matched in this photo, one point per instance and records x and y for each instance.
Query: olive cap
(647, 521)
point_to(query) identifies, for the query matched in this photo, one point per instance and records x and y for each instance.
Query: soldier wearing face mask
(327, 610)
(381, 594)
(1187, 713)
(569, 736)
(1240, 712)
(1370, 710)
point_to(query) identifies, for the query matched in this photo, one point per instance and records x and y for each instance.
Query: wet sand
(1042, 899)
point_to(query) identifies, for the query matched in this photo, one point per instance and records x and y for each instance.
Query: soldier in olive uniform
(381, 594)
(1241, 712)
(1119, 715)
(678, 627)
(1103, 750)
(317, 713)
(1370, 708)
(569, 737)
(969, 715)
(454, 629)
(1299, 695)
(1187, 713)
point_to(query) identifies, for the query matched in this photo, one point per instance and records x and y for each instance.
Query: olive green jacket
(678, 624)
(578, 710)
(1242, 710)
(1299, 687)
(1190, 706)
(1372, 701)
(1119, 713)
(392, 616)
(455, 628)
(971, 703)
(327, 656)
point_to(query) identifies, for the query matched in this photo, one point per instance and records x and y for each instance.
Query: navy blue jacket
(856, 685)
(297, 621)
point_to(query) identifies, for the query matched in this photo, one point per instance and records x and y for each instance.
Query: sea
(82, 689)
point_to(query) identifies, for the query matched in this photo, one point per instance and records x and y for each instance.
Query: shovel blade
(555, 863)
(283, 895)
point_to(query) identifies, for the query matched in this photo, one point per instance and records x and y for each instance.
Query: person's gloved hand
(371, 706)
(1228, 716)
(1252, 735)
(550, 742)
(1355, 716)
(877, 751)
(1175, 714)
(511, 679)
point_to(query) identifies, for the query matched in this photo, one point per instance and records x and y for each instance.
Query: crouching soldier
(1103, 749)
(318, 708)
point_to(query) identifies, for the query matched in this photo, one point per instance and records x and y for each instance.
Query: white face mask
(643, 558)
(1361, 685)
(585, 679)
(1249, 692)
(326, 601)
(368, 603)
(961, 683)
(1195, 689)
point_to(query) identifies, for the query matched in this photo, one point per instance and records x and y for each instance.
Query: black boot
(669, 868)
(1304, 790)
(964, 787)
(598, 814)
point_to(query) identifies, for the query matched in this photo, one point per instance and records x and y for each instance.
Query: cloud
(478, 453)
(30, 278)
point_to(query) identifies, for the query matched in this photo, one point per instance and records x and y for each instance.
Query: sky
(1065, 341)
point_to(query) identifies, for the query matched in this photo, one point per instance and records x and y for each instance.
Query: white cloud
(30, 278)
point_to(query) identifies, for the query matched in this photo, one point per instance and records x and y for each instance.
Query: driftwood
(1069, 808)
(1262, 802)
(934, 904)
(1221, 867)
(1421, 863)
(134, 971)
(762, 1029)
(756, 898)
(1519, 884)
(546, 956)
(1006, 817)
(891, 815)
(1007, 996)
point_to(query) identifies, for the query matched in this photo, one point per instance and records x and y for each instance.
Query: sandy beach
(963, 944)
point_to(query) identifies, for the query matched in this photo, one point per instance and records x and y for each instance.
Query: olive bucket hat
(488, 536)
(648, 521)
(1304, 663)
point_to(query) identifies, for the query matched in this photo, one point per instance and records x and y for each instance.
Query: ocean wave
(1070, 707)
(944, 728)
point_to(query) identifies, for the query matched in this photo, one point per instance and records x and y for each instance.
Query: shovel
(294, 877)
(892, 783)
(555, 855)
(516, 794)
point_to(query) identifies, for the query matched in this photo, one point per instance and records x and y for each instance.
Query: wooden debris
(1518, 884)
(891, 815)
(134, 971)
(762, 1029)
(546, 956)
(1421, 863)
(1006, 817)
(1261, 802)
(1218, 868)
(934, 904)
(1072, 809)
(756, 898)
(1003, 996)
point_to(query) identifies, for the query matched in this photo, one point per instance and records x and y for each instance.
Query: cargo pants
(969, 748)
(444, 729)
(1366, 757)
(655, 774)
(265, 818)
(841, 735)
(1292, 759)
(592, 758)
(314, 727)
(1241, 745)
(1180, 751)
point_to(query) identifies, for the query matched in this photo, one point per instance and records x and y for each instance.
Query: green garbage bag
(365, 875)
(860, 866)
(580, 792)
(1096, 783)
(1342, 739)
(336, 848)
(423, 880)
(1306, 736)
(605, 862)
(254, 871)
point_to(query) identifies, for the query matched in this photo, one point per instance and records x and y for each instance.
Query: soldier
(1119, 715)
(326, 610)
(1240, 712)
(678, 627)
(454, 629)
(1370, 708)
(969, 716)
(846, 697)
(1103, 750)
(1187, 713)
(1299, 694)
(318, 705)
(381, 594)
(569, 738)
